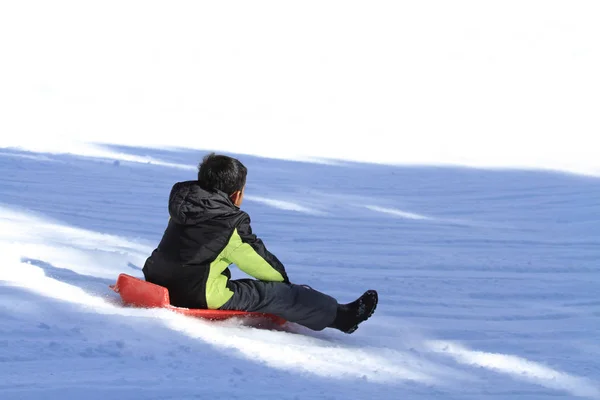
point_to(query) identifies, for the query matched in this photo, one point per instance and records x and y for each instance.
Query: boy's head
(227, 174)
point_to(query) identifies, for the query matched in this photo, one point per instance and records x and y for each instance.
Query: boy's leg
(295, 303)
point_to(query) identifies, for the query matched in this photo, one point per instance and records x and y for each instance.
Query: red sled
(136, 292)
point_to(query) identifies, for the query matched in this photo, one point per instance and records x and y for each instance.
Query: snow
(283, 205)
(512, 84)
(503, 302)
(398, 213)
(443, 153)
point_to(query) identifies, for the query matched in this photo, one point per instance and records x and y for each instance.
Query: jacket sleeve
(251, 256)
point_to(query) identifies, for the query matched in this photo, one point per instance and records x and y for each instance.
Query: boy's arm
(251, 256)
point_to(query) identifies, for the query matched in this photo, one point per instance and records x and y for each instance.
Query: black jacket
(205, 234)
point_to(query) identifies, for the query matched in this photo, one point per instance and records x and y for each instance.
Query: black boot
(350, 315)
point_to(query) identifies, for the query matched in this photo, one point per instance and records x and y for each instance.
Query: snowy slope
(488, 283)
(358, 122)
(466, 82)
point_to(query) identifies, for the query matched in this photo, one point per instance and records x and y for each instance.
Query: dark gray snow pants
(294, 303)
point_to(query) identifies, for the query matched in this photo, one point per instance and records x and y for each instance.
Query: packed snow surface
(442, 153)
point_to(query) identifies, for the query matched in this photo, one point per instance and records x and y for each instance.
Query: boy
(207, 232)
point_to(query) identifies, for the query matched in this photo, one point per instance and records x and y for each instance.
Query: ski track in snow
(93, 150)
(519, 368)
(284, 205)
(397, 213)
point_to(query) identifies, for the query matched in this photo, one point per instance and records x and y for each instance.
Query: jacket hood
(189, 204)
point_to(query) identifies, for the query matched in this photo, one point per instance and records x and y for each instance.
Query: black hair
(219, 172)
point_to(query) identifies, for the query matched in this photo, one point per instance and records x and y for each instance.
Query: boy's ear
(236, 198)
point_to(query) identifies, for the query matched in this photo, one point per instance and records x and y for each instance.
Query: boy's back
(207, 232)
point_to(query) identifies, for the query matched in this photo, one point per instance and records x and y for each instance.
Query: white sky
(511, 83)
